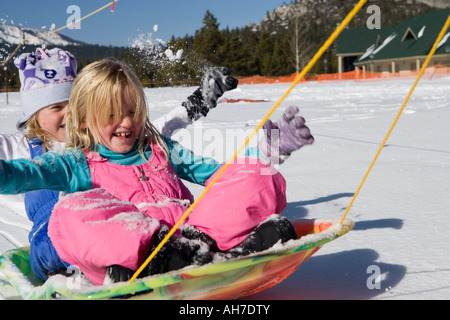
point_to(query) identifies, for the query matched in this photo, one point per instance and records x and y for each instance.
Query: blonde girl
(46, 78)
(124, 190)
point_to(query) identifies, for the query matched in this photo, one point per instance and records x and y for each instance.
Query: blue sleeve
(65, 171)
(189, 166)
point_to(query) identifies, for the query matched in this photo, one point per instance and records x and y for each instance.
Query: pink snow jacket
(115, 224)
(153, 187)
(114, 210)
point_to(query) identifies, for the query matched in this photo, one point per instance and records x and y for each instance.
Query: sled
(218, 280)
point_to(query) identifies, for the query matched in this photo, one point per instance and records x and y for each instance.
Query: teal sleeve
(189, 166)
(65, 171)
(252, 152)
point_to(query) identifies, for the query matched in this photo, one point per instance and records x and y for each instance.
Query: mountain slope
(14, 35)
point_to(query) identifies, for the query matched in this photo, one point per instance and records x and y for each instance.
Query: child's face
(52, 119)
(120, 135)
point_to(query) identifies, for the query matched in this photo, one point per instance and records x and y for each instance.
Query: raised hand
(284, 136)
(215, 82)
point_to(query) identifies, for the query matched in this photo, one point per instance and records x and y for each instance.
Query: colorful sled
(229, 279)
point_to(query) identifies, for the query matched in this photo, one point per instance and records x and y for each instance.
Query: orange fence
(357, 75)
(282, 79)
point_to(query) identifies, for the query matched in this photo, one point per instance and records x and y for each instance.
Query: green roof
(412, 37)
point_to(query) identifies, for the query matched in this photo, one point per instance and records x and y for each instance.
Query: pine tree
(234, 55)
(208, 40)
(252, 58)
(265, 50)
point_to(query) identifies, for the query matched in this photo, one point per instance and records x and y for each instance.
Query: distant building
(395, 49)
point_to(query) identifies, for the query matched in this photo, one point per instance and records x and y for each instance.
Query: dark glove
(178, 252)
(119, 274)
(215, 82)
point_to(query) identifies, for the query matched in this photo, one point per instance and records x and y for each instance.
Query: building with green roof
(392, 49)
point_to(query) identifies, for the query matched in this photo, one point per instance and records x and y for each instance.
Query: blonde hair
(97, 95)
(34, 131)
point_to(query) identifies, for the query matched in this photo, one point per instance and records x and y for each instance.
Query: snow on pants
(94, 230)
(243, 197)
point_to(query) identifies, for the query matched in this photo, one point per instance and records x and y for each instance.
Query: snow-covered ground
(400, 215)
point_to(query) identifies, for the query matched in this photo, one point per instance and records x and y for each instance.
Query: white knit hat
(46, 78)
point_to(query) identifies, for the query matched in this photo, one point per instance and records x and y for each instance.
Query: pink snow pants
(94, 229)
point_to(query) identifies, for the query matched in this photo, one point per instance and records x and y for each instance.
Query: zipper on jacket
(143, 177)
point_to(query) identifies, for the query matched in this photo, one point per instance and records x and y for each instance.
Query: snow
(444, 40)
(145, 42)
(372, 50)
(400, 215)
(174, 57)
(421, 32)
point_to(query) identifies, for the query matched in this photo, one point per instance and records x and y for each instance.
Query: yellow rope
(12, 54)
(422, 70)
(316, 57)
(53, 31)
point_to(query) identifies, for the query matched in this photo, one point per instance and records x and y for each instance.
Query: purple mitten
(284, 136)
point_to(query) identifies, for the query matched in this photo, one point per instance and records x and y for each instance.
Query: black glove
(119, 274)
(214, 83)
(178, 252)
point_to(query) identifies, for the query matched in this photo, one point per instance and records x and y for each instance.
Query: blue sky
(134, 17)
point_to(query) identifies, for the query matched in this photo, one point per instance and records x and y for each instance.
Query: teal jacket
(68, 171)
